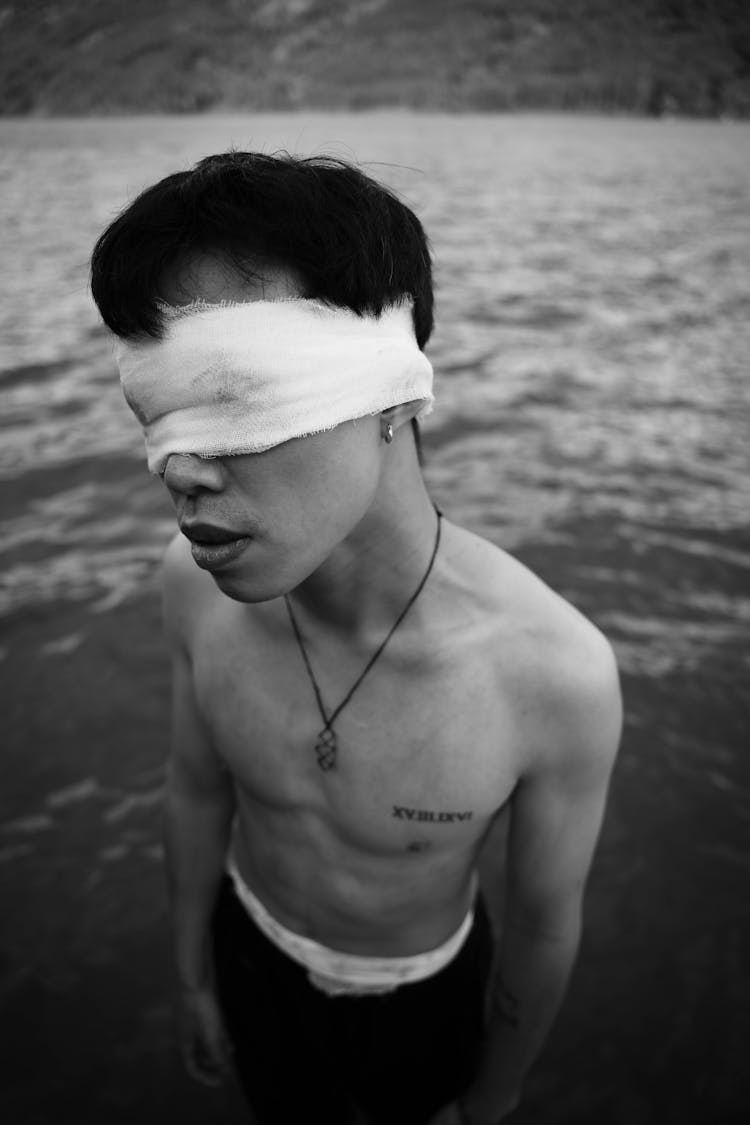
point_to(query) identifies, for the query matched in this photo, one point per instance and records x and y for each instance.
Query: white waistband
(350, 974)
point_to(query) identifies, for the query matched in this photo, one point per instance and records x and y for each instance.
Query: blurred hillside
(129, 56)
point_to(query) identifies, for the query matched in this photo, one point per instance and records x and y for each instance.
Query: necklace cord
(330, 719)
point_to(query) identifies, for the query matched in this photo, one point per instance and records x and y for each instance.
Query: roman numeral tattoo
(402, 813)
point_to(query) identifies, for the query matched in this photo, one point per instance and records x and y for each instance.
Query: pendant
(325, 748)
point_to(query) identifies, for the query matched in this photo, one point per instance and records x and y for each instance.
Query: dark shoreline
(662, 58)
(615, 113)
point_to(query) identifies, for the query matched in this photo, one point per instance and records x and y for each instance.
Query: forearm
(196, 838)
(533, 973)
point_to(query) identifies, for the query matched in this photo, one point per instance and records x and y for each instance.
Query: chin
(250, 579)
(246, 590)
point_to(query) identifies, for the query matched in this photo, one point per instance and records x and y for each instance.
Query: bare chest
(421, 757)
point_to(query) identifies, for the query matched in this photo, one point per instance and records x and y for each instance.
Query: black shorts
(301, 1055)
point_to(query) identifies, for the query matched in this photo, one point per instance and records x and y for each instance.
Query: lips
(213, 547)
(209, 533)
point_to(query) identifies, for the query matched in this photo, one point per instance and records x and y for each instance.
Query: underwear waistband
(338, 973)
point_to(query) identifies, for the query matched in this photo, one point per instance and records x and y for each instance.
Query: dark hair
(352, 241)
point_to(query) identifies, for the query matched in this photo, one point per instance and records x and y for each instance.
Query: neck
(368, 578)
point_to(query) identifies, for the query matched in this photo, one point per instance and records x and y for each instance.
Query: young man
(361, 687)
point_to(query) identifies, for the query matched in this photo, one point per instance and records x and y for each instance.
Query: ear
(399, 415)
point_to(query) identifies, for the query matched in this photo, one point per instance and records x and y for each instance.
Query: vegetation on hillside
(640, 56)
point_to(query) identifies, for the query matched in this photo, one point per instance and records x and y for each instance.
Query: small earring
(388, 435)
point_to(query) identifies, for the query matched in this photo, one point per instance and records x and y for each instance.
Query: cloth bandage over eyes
(240, 378)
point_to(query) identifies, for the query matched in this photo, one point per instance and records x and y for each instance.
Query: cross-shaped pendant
(325, 748)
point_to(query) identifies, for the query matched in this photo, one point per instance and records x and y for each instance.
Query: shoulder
(555, 666)
(572, 676)
(579, 719)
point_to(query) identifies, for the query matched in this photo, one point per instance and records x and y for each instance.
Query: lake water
(593, 417)
(591, 348)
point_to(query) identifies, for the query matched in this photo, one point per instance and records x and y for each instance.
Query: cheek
(313, 489)
(335, 467)
(352, 477)
(335, 495)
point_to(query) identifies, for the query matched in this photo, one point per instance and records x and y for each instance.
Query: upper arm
(558, 805)
(193, 765)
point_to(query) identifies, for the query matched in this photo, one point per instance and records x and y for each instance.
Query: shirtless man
(323, 827)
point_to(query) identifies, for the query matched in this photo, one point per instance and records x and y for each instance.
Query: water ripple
(590, 352)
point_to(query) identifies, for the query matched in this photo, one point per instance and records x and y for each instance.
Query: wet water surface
(592, 417)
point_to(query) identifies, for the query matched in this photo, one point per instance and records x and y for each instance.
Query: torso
(376, 856)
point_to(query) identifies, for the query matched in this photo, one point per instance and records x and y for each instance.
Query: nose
(187, 473)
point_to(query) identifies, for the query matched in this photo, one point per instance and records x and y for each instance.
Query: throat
(362, 586)
(326, 744)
